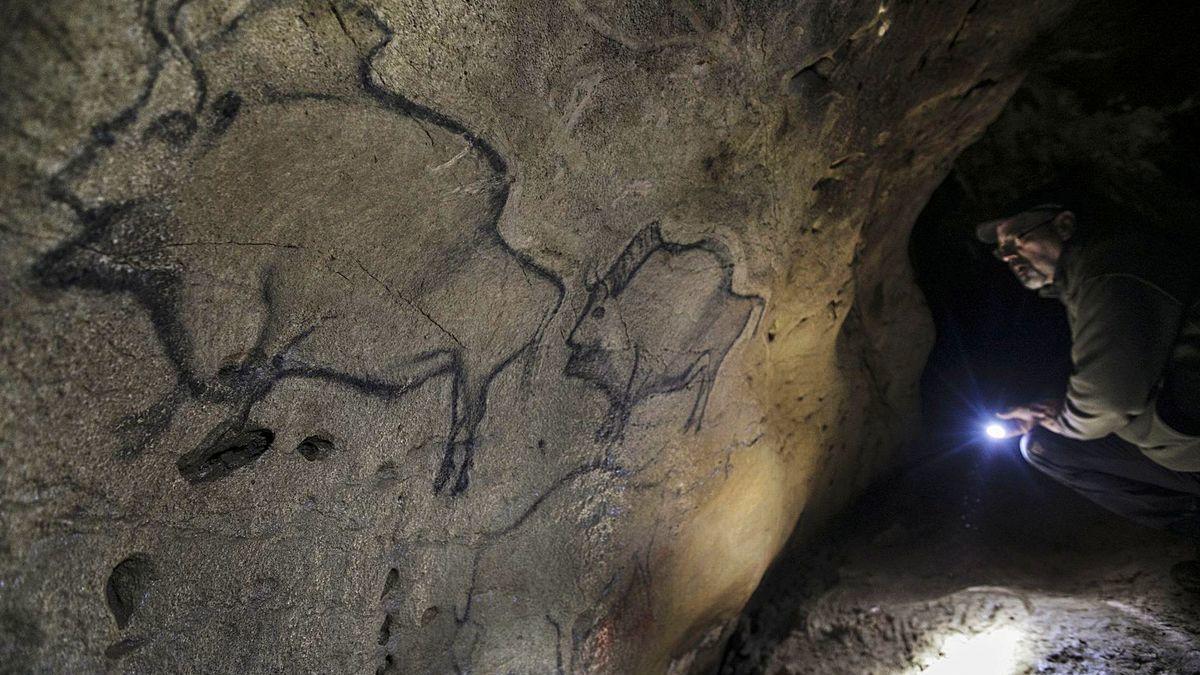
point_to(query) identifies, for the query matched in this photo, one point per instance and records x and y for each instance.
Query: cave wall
(418, 337)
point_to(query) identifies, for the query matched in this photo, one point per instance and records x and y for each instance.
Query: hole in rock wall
(127, 587)
(315, 448)
(122, 647)
(968, 559)
(225, 450)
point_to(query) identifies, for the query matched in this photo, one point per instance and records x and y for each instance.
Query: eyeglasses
(1009, 246)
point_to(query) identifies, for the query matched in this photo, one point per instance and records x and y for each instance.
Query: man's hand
(1049, 410)
(1023, 418)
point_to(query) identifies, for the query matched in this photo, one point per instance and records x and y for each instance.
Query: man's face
(1030, 244)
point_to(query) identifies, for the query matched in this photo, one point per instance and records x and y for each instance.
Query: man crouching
(1127, 433)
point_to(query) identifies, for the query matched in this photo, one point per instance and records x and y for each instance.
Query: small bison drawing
(661, 318)
(349, 237)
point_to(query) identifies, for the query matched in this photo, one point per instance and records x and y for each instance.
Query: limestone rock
(584, 304)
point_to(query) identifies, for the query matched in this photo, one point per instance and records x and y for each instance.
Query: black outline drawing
(82, 262)
(702, 361)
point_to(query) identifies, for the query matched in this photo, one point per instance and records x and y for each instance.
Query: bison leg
(613, 427)
(474, 405)
(447, 467)
(467, 410)
(700, 369)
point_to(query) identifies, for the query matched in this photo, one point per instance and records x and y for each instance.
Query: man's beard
(1025, 272)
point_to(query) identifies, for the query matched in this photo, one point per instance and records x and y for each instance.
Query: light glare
(996, 430)
(991, 652)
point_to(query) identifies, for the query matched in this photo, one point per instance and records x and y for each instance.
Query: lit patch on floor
(993, 651)
(983, 630)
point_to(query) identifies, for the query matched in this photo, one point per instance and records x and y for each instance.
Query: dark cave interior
(924, 572)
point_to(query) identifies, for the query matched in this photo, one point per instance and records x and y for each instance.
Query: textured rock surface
(344, 336)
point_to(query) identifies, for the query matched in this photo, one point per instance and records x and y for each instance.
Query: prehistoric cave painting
(661, 318)
(283, 233)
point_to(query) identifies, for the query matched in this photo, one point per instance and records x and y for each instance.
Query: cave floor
(974, 563)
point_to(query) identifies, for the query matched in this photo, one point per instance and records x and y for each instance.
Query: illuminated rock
(586, 303)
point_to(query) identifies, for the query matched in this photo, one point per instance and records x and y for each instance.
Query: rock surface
(420, 337)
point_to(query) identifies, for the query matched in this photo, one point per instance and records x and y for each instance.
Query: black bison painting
(292, 224)
(661, 319)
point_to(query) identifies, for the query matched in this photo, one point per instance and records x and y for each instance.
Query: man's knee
(1028, 451)
(1039, 448)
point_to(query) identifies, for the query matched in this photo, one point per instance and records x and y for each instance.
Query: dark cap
(986, 231)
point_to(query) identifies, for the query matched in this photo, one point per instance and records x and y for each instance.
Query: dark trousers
(1116, 475)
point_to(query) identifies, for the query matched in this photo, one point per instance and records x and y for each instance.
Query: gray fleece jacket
(1135, 345)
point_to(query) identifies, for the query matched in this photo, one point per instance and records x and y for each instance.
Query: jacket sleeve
(1122, 338)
